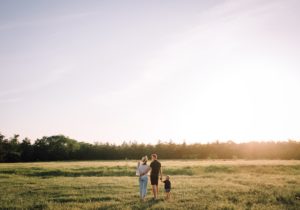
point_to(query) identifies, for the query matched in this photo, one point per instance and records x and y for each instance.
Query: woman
(142, 171)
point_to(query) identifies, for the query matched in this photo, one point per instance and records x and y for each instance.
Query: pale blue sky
(146, 70)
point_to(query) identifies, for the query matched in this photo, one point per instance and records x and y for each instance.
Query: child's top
(167, 184)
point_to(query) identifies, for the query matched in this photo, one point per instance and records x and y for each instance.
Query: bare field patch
(176, 163)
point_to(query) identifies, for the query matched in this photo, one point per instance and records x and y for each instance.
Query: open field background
(234, 184)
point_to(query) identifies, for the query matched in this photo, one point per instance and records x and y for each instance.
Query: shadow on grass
(87, 172)
(130, 171)
(84, 200)
(144, 204)
(180, 171)
(219, 169)
(285, 200)
(44, 173)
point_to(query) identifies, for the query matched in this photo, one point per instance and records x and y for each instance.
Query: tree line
(60, 147)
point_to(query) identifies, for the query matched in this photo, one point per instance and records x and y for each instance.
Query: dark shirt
(155, 167)
(167, 184)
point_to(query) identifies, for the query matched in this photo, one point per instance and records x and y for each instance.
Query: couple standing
(143, 170)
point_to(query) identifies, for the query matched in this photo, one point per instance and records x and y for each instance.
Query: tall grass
(113, 185)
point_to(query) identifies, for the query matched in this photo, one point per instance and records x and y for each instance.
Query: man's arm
(160, 172)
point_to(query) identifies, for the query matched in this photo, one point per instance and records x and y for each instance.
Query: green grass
(112, 185)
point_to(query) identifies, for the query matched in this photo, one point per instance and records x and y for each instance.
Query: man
(155, 172)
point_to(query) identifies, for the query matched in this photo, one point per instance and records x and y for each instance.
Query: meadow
(196, 184)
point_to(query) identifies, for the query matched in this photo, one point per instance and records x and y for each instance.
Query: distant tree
(56, 147)
(40, 149)
(27, 152)
(2, 147)
(12, 150)
(59, 147)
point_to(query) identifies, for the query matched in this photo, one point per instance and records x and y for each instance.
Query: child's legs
(167, 194)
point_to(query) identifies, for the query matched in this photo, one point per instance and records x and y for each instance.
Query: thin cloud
(168, 62)
(43, 21)
(10, 100)
(10, 95)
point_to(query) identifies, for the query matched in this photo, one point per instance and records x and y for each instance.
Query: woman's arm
(147, 170)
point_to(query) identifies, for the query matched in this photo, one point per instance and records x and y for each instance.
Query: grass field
(236, 184)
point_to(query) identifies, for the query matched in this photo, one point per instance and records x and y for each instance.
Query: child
(167, 187)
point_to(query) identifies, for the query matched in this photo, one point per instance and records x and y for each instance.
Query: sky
(114, 71)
